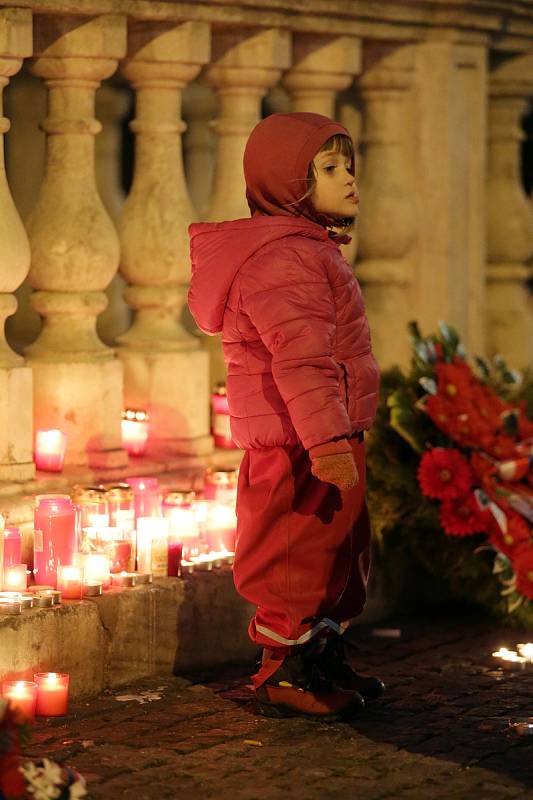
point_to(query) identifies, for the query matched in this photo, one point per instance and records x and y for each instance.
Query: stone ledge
(174, 625)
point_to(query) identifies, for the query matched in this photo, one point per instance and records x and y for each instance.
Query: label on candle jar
(38, 541)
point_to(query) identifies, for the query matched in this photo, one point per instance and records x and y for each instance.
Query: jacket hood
(218, 251)
(276, 162)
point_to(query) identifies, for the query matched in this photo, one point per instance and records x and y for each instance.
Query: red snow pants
(302, 552)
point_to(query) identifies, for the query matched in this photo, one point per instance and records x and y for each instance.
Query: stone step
(173, 625)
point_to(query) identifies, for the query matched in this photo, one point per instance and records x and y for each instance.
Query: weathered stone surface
(127, 634)
(440, 732)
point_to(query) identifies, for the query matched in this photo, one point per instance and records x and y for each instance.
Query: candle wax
(52, 694)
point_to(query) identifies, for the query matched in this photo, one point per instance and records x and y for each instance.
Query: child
(302, 387)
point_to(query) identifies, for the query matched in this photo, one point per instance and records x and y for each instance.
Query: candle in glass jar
(55, 540)
(152, 545)
(21, 696)
(179, 510)
(12, 546)
(16, 578)
(69, 582)
(220, 418)
(95, 567)
(50, 448)
(147, 497)
(220, 485)
(52, 693)
(221, 527)
(135, 426)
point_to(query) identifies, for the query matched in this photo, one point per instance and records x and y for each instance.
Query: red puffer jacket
(294, 331)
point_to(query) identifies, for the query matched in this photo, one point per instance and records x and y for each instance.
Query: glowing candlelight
(52, 693)
(55, 539)
(50, 448)
(221, 527)
(152, 545)
(69, 582)
(134, 431)
(526, 650)
(95, 567)
(21, 696)
(12, 546)
(16, 578)
(510, 657)
(147, 497)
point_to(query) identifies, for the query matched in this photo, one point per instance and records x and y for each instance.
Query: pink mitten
(333, 462)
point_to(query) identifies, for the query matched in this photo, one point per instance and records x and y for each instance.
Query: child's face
(335, 192)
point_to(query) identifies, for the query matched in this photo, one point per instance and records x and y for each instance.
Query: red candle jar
(50, 448)
(220, 418)
(183, 530)
(52, 693)
(220, 485)
(55, 537)
(147, 497)
(21, 696)
(70, 582)
(12, 546)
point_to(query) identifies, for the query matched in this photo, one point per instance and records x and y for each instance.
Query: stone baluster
(165, 370)
(15, 379)
(75, 249)
(199, 109)
(26, 107)
(509, 215)
(112, 104)
(245, 64)
(322, 66)
(386, 226)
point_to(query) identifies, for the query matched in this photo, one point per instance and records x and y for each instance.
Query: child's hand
(337, 468)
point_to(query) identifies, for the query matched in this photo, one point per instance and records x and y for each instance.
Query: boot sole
(278, 711)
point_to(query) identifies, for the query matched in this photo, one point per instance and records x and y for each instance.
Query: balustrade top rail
(505, 25)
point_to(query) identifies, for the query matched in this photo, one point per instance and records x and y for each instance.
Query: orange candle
(52, 693)
(21, 696)
(69, 582)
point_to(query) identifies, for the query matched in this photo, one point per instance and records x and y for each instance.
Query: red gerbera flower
(444, 474)
(516, 535)
(461, 516)
(454, 380)
(523, 568)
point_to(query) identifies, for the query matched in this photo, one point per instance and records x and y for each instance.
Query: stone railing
(433, 92)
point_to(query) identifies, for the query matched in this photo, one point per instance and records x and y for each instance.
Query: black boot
(297, 688)
(333, 664)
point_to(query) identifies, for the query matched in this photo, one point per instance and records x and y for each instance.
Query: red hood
(218, 251)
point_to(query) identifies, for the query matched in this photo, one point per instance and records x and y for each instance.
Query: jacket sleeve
(290, 302)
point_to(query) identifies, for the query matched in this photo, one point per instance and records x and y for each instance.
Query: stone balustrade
(434, 96)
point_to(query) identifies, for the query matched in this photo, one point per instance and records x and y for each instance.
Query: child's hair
(339, 143)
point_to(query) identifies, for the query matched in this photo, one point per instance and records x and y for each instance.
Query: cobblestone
(441, 731)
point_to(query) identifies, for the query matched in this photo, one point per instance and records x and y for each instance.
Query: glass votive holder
(21, 696)
(69, 582)
(50, 449)
(52, 693)
(16, 578)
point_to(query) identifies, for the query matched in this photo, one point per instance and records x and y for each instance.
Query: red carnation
(523, 568)
(461, 516)
(516, 535)
(444, 474)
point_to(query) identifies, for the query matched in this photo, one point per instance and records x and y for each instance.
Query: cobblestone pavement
(441, 731)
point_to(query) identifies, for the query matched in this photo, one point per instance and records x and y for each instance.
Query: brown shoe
(297, 689)
(333, 664)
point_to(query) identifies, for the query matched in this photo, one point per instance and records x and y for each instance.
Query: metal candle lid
(221, 476)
